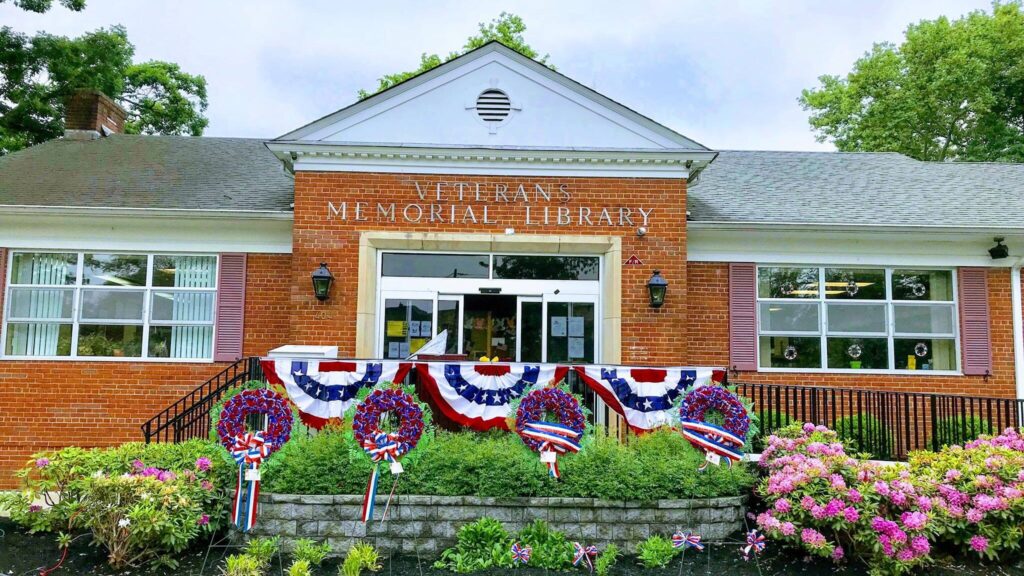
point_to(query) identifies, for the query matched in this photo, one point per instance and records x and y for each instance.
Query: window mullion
(891, 319)
(823, 319)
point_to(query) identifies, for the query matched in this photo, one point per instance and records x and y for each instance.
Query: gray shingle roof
(856, 188)
(165, 172)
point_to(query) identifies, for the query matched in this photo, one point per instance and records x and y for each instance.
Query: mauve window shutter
(227, 346)
(975, 342)
(743, 316)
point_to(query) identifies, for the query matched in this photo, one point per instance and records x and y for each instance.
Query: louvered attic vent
(493, 105)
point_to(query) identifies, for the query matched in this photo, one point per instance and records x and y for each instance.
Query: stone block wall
(428, 524)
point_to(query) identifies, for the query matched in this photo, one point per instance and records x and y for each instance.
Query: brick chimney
(90, 114)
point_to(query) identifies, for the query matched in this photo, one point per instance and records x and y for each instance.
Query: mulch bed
(24, 554)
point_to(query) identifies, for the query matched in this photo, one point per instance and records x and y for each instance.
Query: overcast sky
(725, 73)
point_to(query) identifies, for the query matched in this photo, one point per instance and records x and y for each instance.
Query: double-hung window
(107, 305)
(856, 318)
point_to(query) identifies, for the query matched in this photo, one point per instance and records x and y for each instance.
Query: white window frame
(78, 288)
(890, 335)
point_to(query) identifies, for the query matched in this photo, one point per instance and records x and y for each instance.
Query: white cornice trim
(461, 160)
(92, 211)
(853, 227)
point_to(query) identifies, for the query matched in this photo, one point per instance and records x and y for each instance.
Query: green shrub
(655, 552)
(311, 552)
(360, 557)
(654, 466)
(551, 549)
(262, 550)
(299, 568)
(480, 545)
(770, 422)
(241, 565)
(606, 559)
(959, 429)
(863, 433)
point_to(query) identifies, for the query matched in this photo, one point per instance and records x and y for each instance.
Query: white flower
(98, 474)
(124, 522)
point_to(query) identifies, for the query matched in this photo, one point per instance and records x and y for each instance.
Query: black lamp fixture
(1000, 250)
(657, 286)
(322, 280)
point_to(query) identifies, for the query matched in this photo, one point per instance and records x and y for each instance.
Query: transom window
(856, 318)
(107, 305)
(490, 266)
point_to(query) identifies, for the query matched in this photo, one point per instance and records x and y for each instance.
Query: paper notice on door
(576, 327)
(425, 331)
(416, 343)
(575, 348)
(558, 326)
(403, 349)
(414, 329)
(393, 350)
(396, 328)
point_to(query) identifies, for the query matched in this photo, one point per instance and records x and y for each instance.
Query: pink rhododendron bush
(895, 518)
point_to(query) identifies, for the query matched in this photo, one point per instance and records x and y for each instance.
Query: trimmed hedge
(659, 465)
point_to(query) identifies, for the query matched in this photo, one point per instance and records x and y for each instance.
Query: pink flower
(203, 464)
(42, 462)
(838, 482)
(834, 507)
(914, 520)
(812, 537)
(165, 476)
(203, 520)
(974, 515)
(207, 485)
(920, 545)
(851, 514)
(979, 543)
(838, 553)
(138, 465)
(905, 555)
(924, 503)
(854, 495)
(898, 498)
(807, 502)
(818, 512)
(808, 428)
(35, 508)
(787, 529)
(782, 506)
(882, 488)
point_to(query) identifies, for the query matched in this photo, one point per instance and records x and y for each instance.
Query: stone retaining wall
(428, 524)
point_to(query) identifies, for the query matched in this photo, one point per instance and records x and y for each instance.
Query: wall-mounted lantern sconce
(322, 280)
(657, 286)
(1000, 250)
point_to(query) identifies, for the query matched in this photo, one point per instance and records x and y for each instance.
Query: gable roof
(147, 172)
(858, 188)
(309, 132)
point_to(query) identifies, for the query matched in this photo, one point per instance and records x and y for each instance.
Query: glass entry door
(571, 332)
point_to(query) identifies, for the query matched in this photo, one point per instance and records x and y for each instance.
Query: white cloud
(726, 73)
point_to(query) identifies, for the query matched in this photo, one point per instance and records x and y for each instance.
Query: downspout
(1018, 329)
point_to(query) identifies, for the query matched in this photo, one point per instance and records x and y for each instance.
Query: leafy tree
(45, 5)
(953, 90)
(37, 73)
(506, 28)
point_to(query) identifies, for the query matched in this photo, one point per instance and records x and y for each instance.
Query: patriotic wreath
(262, 401)
(724, 441)
(250, 449)
(550, 438)
(383, 446)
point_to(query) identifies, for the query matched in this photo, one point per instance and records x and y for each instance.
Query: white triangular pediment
(440, 108)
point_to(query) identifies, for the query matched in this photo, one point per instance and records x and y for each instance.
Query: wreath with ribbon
(386, 446)
(250, 449)
(550, 438)
(725, 441)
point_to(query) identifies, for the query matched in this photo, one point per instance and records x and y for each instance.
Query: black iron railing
(887, 424)
(189, 417)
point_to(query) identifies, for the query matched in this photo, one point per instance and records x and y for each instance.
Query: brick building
(504, 202)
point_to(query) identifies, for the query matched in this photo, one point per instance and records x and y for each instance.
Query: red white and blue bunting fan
(581, 553)
(477, 395)
(716, 442)
(645, 397)
(384, 446)
(521, 554)
(250, 449)
(325, 389)
(755, 545)
(550, 438)
(687, 540)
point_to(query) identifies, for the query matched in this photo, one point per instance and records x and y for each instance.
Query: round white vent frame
(493, 107)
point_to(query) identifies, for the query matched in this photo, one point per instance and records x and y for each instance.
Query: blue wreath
(367, 418)
(260, 401)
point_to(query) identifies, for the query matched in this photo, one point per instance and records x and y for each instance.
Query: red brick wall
(648, 335)
(708, 322)
(46, 405)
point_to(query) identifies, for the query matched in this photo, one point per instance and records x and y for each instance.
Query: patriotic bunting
(477, 395)
(645, 396)
(325, 389)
